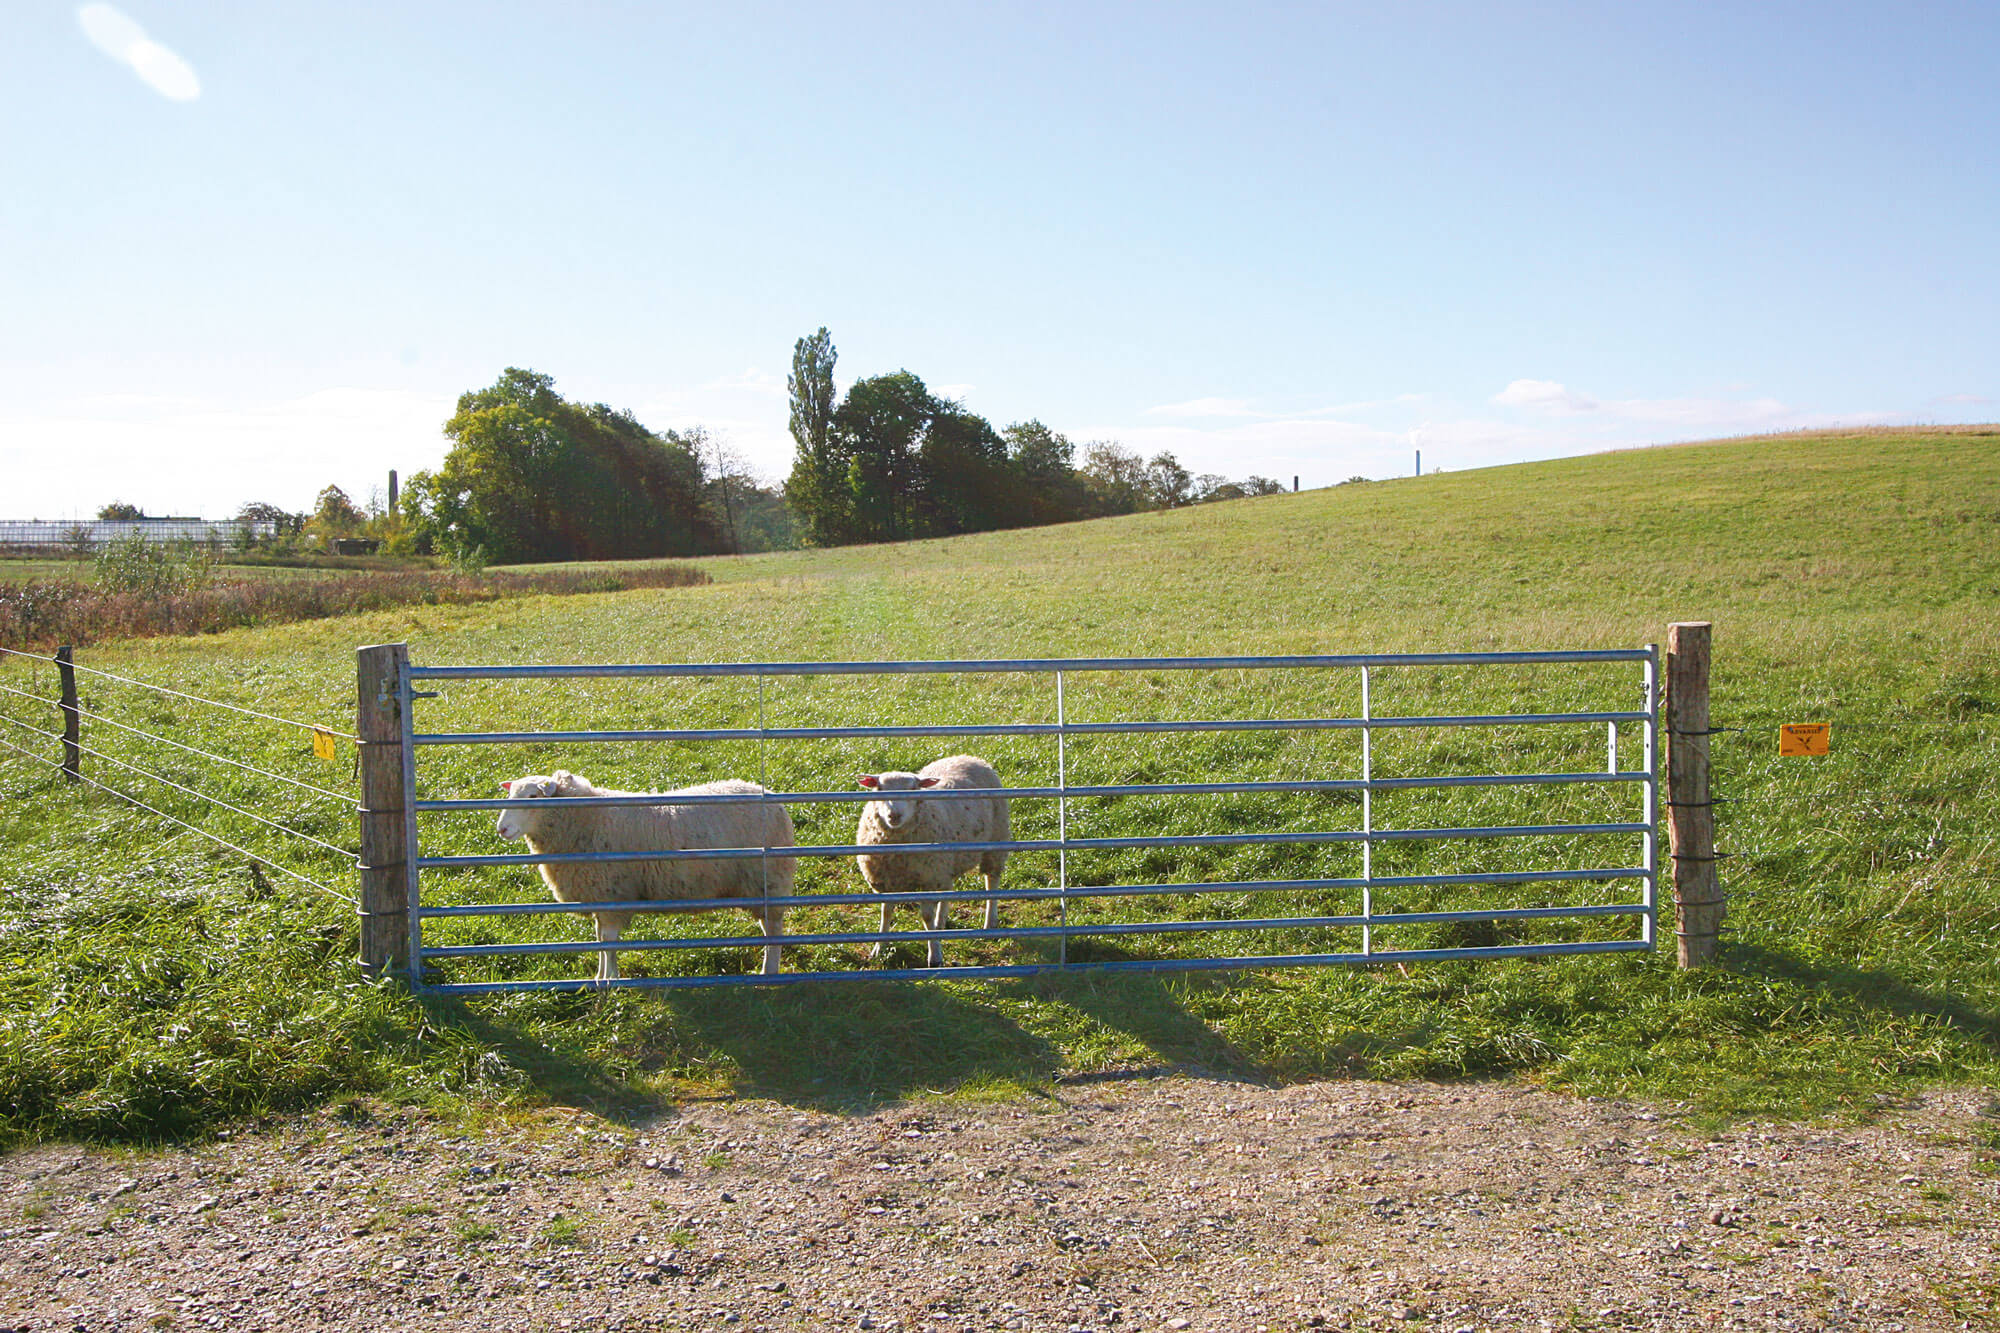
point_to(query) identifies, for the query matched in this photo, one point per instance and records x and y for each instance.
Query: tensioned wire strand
(192, 828)
(194, 698)
(248, 768)
(206, 754)
(198, 795)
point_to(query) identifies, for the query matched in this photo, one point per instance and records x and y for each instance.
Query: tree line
(892, 461)
(531, 476)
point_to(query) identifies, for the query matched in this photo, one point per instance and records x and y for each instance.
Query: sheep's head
(895, 814)
(517, 821)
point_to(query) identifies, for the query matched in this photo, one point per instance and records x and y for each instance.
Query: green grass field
(149, 987)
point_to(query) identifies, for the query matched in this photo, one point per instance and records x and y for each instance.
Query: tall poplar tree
(818, 487)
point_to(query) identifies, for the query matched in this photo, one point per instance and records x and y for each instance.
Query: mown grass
(151, 989)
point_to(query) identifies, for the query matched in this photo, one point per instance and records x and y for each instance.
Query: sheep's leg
(992, 902)
(607, 959)
(934, 917)
(774, 928)
(888, 911)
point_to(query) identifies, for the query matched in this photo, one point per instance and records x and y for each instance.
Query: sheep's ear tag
(507, 788)
(870, 781)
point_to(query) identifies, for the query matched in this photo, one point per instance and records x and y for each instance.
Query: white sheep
(957, 819)
(649, 828)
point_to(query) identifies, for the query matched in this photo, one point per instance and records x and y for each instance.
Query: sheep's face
(895, 814)
(517, 822)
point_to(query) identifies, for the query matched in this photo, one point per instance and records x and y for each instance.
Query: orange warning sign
(1805, 738)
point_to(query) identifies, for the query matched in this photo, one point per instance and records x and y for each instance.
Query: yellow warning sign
(1805, 738)
(324, 746)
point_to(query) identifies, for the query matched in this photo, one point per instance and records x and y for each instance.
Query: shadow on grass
(850, 1046)
(1878, 990)
(566, 1078)
(847, 1047)
(1144, 1007)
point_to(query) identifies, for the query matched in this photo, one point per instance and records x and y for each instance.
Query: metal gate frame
(1647, 828)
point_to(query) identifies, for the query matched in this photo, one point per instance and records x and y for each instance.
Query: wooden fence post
(72, 764)
(384, 904)
(1699, 903)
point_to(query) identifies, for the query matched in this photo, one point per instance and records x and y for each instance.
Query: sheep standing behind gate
(958, 819)
(655, 828)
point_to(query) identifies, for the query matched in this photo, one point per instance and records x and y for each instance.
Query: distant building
(47, 534)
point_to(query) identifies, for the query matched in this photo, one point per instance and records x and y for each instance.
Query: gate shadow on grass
(1876, 990)
(847, 1047)
(566, 1078)
(1144, 1007)
(850, 1046)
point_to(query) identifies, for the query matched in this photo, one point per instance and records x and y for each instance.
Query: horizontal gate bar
(1030, 845)
(1027, 793)
(1033, 932)
(1036, 895)
(1024, 664)
(1044, 969)
(1009, 729)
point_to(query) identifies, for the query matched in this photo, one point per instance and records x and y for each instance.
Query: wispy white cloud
(119, 36)
(1963, 399)
(1545, 394)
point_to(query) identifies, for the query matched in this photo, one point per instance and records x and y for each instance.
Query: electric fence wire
(198, 795)
(206, 754)
(193, 698)
(192, 828)
(220, 758)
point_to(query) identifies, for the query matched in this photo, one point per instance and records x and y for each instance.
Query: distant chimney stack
(1295, 483)
(392, 490)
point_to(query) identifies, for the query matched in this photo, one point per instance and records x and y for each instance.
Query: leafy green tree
(1115, 478)
(121, 511)
(1046, 487)
(1168, 485)
(818, 487)
(963, 483)
(334, 514)
(877, 430)
(533, 477)
(283, 522)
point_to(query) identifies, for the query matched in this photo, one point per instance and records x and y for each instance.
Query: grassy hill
(150, 987)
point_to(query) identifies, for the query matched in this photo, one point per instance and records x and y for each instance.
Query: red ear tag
(507, 787)
(870, 781)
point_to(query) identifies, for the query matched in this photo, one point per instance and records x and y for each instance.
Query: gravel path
(1170, 1203)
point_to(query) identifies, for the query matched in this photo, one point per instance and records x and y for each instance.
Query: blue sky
(251, 249)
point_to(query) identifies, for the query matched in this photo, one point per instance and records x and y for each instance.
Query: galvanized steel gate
(1640, 870)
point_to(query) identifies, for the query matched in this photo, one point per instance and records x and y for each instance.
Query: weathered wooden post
(1699, 904)
(384, 906)
(72, 764)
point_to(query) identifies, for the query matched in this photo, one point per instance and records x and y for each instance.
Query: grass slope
(150, 986)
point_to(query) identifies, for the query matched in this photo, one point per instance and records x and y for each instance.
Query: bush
(153, 569)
